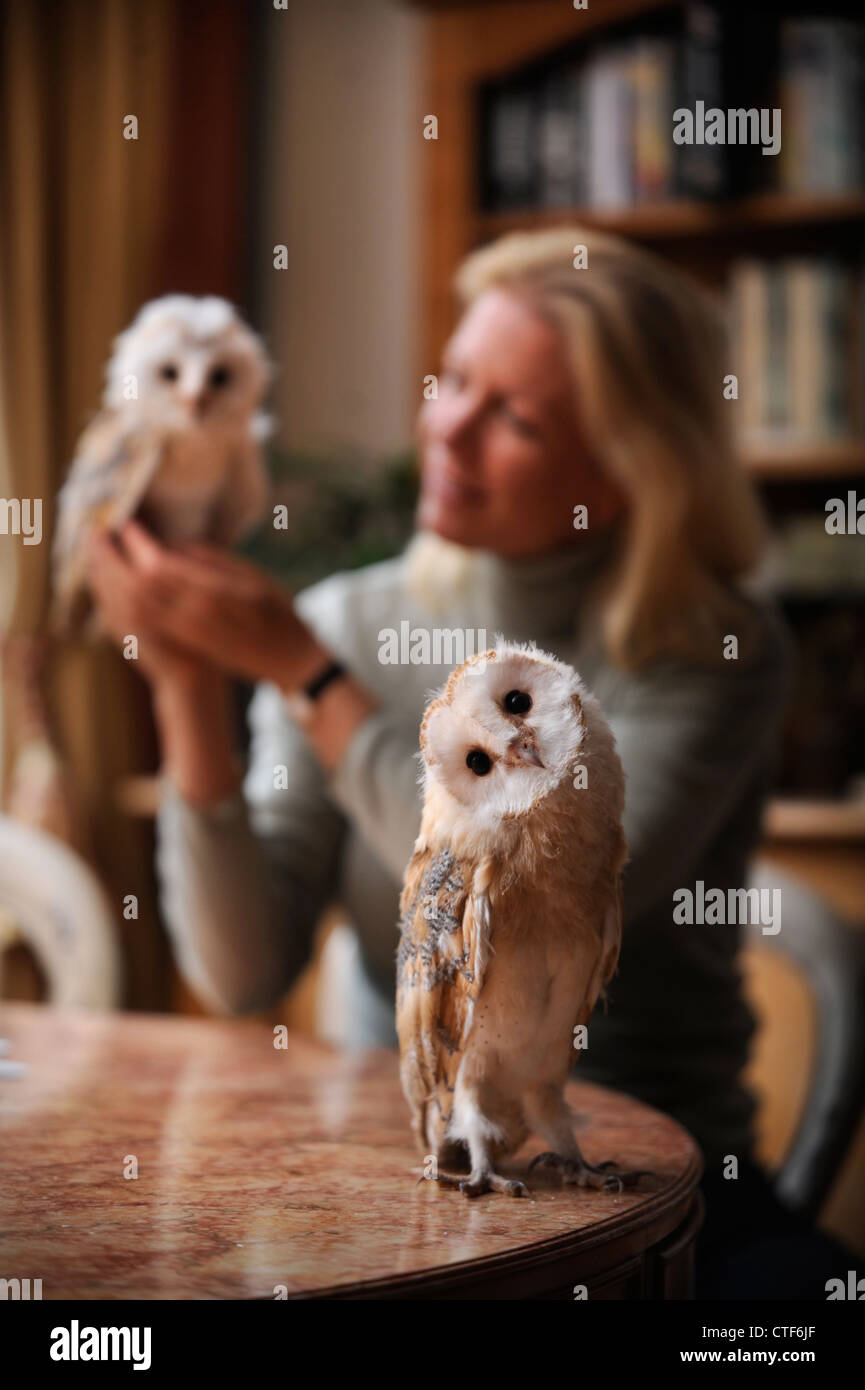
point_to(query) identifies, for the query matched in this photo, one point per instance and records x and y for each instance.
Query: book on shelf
(749, 305)
(702, 170)
(822, 752)
(652, 79)
(593, 126)
(511, 169)
(776, 366)
(561, 139)
(821, 93)
(797, 336)
(609, 106)
(808, 561)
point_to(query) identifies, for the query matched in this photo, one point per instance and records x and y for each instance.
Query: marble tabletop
(156, 1157)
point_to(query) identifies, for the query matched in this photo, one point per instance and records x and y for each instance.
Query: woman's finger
(129, 595)
(144, 550)
(161, 577)
(224, 576)
(212, 556)
(214, 568)
(212, 606)
(195, 564)
(104, 558)
(159, 562)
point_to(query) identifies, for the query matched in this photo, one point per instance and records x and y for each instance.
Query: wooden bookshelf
(673, 221)
(465, 45)
(470, 42)
(842, 458)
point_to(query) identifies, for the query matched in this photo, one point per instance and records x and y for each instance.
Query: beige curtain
(81, 213)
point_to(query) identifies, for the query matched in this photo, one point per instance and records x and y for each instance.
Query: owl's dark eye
(518, 702)
(479, 762)
(219, 377)
(168, 371)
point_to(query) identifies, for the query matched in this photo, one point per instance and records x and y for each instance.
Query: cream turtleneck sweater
(244, 884)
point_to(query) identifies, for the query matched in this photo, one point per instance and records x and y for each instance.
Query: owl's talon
(473, 1189)
(491, 1182)
(545, 1160)
(482, 1183)
(579, 1173)
(629, 1177)
(514, 1188)
(446, 1179)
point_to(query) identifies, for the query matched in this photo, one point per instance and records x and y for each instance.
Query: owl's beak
(526, 754)
(194, 405)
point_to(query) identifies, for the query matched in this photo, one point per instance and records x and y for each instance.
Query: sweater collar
(540, 596)
(533, 598)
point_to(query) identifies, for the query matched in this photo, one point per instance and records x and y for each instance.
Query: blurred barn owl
(511, 915)
(177, 441)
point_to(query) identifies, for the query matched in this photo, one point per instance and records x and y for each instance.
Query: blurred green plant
(339, 514)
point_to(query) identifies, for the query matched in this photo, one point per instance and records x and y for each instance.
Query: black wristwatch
(301, 703)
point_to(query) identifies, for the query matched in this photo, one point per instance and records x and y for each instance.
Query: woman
(598, 388)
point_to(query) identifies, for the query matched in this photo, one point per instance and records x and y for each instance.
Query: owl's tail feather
(611, 943)
(435, 1123)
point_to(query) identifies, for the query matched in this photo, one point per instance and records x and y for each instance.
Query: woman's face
(503, 463)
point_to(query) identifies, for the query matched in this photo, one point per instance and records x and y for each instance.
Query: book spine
(653, 113)
(834, 288)
(794, 100)
(607, 187)
(560, 139)
(749, 316)
(804, 349)
(777, 395)
(700, 169)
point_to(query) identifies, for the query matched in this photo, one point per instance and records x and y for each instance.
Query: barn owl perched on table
(177, 441)
(511, 914)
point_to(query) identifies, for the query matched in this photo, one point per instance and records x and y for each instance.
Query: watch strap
(301, 703)
(331, 672)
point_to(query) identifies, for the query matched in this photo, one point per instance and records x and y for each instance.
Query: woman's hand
(200, 614)
(116, 589)
(196, 609)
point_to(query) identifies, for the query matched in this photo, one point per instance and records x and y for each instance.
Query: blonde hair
(648, 354)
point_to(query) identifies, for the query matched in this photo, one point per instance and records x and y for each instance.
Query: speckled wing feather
(444, 937)
(608, 958)
(111, 471)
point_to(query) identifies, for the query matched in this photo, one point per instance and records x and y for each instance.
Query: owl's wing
(444, 942)
(608, 956)
(244, 499)
(111, 472)
(614, 923)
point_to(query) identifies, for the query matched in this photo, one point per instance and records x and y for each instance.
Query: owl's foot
(479, 1183)
(579, 1173)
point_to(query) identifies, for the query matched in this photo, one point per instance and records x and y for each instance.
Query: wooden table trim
(677, 1212)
